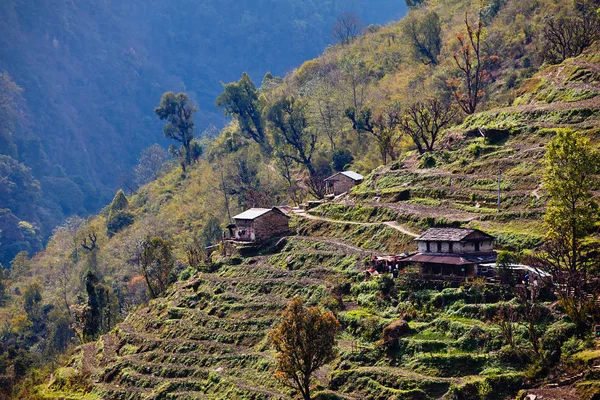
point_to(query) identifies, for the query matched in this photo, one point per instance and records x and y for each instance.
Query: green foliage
(341, 159)
(211, 233)
(100, 314)
(178, 110)
(157, 263)
(119, 221)
(240, 99)
(494, 387)
(571, 165)
(118, 216)
(427, 161)
(424, 35)
(119, 203)
(32, 303)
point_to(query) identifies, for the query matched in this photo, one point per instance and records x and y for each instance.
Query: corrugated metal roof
(350, 174)
(252, 213)
(450, 234)
(446, 260)
(353, 175)
(521, 267)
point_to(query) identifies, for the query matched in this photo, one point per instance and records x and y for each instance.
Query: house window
(476, 246)
(450, 247)
(428, 247)
(439, 247)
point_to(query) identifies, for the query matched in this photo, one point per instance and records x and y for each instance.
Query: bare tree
(347, 27)
(326, 111)
(529, 297)
(473, 67)
(151, 164)
(424, 121)
(383, 126)
(505, 318)
(355, 80)
(569, 36)
(92, 244)
(295, 139)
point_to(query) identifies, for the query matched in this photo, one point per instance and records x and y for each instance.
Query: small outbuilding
(257, 224)
(342, 182)
(452, 252)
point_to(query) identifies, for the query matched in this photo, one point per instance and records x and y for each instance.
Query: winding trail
(392, 224)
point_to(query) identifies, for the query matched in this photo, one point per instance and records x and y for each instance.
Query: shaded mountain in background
(92, 71)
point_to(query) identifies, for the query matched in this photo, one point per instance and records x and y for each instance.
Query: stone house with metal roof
(452, 252)
(257, 224)
(342, 182)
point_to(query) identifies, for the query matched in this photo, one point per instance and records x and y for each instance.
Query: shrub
(514, 356)
(553, 340)
(393, 332)
(119, 221)
(341, 159)
(491, 388)
(427, 161)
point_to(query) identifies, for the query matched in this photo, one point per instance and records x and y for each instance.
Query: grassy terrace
(207, 337)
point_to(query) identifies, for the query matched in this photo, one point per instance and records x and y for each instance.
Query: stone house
(257, 224)
(342, 182)
(452, 252)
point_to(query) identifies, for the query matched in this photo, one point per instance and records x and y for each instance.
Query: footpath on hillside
(392, 224)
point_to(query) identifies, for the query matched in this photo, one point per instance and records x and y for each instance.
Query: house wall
(341, 184)
(244, 230)
(484, 247)
(271, 224)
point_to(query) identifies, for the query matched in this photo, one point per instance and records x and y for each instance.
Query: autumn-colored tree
(178, 110)
(572, 214)
(473, 68)
(305, 341)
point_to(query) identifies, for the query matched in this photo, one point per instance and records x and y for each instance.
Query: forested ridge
(440, 111)
(83, 77)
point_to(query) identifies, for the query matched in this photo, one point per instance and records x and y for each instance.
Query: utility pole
(499, 175)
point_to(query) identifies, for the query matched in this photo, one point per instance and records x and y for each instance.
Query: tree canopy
(177, 110)
(305, 341)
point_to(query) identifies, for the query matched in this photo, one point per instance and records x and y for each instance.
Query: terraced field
(208, 337)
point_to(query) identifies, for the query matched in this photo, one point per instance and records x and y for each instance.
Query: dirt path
(337, 244)
(391, 224)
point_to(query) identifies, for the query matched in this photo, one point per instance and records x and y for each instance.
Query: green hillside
(79, 318)
(79, 81)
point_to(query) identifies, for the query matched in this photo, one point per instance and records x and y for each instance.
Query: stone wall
(341, 184)
(271, 224)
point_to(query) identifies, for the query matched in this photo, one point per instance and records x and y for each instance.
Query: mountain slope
(206, 338)
(93, 72)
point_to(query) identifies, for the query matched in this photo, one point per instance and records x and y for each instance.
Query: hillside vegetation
(206, 335)
(78, 82)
